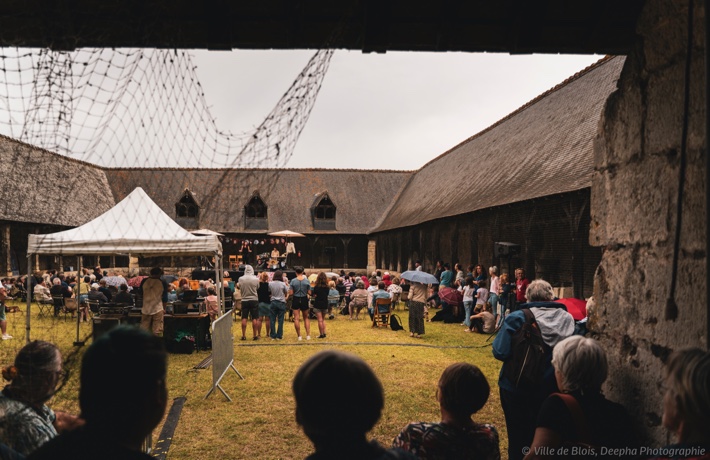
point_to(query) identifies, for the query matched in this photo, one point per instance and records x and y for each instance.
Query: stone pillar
(634, 196)
(371, 256)
(133, 266)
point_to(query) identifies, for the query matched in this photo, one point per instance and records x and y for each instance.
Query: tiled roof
(542, 149)
(43, 187)
(360, 196)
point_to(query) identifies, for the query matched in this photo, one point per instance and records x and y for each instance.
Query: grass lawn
(259, 423)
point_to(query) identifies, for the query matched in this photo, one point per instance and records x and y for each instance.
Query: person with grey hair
(580, 414)
(521, 403)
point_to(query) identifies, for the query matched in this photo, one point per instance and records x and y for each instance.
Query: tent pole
(78, 343)
(220, 288)
(29, 298)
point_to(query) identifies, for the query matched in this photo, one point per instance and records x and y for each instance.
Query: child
(333, 298)
(211, 304)
(481, 296)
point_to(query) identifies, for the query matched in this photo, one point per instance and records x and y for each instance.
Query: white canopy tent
(136, 226)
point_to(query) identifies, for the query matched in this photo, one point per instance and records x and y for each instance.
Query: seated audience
(41, 293)
(27, 422)
(96, 295)
(338, 428)
(58, 290)
(123, 297)
(462, 391)
(358, 299)
(580, 370)
(686, 402)
(122, 396)
(103, 288)
(483, 322)
(212, 303)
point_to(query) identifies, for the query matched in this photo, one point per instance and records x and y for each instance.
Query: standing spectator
(300, 288)
(468, 299)
(417, 299)
(462, 391)
(155, 296)
(493, 291)
(460, 278)
(446, 278)
(338, 428)
(521, 286)
(249, 285)
(279, 295)
(98, 273)
(439, 269)
(418, 265)
(521, 404)
(27, 422)
(320, 302)
(264, 294)
(3, 315)
(506, 297)
(348, 283)
(117, 420)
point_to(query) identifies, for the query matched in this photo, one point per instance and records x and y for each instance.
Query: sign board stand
(222, 352)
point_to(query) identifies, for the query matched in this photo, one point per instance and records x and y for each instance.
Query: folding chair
(395, 300)
(44, 307)
(70, 307)
(357, 303)
(405, 299)
(381, 315)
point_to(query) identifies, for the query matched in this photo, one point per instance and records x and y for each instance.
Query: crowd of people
(552, 399)
(113, 422)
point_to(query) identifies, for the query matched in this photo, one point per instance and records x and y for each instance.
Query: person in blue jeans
(279, 295)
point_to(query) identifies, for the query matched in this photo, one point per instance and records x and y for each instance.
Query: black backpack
(529, 354)
(395, 323)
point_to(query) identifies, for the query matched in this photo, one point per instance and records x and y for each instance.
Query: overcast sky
(380, 111)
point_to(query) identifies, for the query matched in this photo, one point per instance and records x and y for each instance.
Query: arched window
(187, 206)
(256, 209)
(325, 209)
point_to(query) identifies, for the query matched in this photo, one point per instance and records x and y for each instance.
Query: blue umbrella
(419, 277)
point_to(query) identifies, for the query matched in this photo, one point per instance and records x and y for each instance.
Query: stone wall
(634, 196)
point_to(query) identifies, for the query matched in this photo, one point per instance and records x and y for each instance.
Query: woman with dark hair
(320, 304)
(299, 290)
(462, 391)
(338, 429)
(279, 295)
(27, 422)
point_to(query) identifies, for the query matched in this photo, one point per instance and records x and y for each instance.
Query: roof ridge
(525, 106)
(163, 168)
(56, 154)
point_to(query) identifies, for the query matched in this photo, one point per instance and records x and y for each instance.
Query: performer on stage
(245, 251)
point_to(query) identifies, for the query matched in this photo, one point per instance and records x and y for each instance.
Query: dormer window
(325, 209)
(256, 209)
(323, 213)
(187, 206)
(256, 214)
